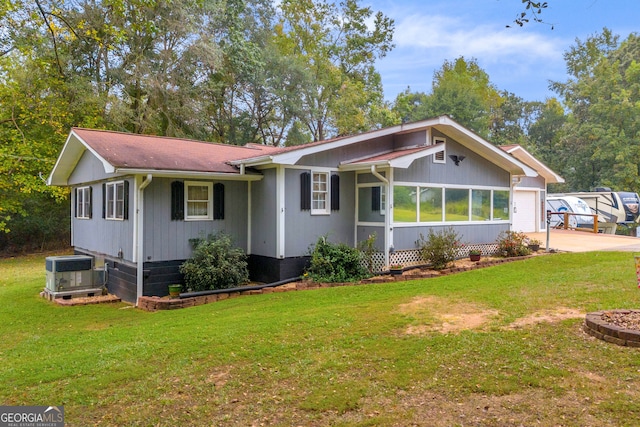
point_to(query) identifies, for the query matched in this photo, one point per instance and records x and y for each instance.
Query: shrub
(215, 264)
(512, 243)
(335, 262)
(439, 249)
(368, 249)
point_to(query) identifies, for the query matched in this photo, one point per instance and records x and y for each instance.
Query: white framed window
(115, 200)
(83, 202)
(319, 193)
(440, 156)
(383, 200)
(198, 203)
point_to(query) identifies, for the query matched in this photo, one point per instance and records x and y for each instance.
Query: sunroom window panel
(481, 205)
(430, 204)
(405, 205)
(500, 205)
(456, 204)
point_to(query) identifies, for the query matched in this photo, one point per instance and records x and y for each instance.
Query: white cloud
(451, 38)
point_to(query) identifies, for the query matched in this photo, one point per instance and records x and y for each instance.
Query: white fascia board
(363, 166)
(253, 161)
(69, 157)
(521, 154)
(404, 162)
(188, 174)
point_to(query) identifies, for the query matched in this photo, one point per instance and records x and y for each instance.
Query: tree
(336, 50)
(602, 136)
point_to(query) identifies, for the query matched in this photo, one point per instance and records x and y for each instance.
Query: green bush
(439, 249)
(335, 263)
(512, 243)
(215, 264)
(368, 249)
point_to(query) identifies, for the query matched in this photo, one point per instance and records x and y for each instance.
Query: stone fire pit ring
(596, 326)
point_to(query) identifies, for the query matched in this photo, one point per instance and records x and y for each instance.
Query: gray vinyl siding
(263, 214)
(102, 236)
(406, 237)
(166, 239)
(88, 169)
(474, 170)
(365, 231)
(413, 139)
(304, 229)
(366, 178)
(333, 158)
(533, 182)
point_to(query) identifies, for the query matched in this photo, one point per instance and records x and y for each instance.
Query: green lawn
(368, 355)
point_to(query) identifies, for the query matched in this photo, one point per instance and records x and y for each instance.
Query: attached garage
(529, 194)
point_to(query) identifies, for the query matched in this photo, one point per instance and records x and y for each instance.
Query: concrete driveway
(582, 241)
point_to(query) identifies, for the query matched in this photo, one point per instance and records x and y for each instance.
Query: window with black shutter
(177, 200)
(218, 201)
(305, 191)
(335, 192)
(375, 199)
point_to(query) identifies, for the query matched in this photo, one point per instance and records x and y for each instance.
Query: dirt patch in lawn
(433, 314)
(547, 316)
(437, 314)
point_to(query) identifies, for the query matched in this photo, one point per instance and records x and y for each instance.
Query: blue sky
(519, 60)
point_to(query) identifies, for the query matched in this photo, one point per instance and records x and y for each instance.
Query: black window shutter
(90, 202)
(305, 191)
(218, 201)
(375, 199)
(335, 192)
(177, 200)
(126, 200)
(104, 200)
(75, 203)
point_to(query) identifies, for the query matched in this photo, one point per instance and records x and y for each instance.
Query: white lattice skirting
(411, 257)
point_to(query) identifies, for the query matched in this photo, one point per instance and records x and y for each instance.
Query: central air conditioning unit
(70, 274)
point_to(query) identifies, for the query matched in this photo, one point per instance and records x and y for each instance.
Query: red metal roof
(131, 151)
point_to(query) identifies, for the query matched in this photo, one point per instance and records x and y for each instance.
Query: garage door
(524, 215)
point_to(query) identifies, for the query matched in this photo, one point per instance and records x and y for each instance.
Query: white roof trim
(165, 173)
(523, 155)
(69, 157)
(402, 162)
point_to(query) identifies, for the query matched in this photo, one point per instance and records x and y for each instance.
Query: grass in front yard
(357, 355)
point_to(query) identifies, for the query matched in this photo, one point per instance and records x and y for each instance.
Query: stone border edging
(596, 327)
(155, 303)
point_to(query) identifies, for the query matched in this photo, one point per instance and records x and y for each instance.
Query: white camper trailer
(610, 206)
(570, 204)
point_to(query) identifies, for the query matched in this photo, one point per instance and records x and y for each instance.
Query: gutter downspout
(387, 237)
(515, 180)
(139, 240)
